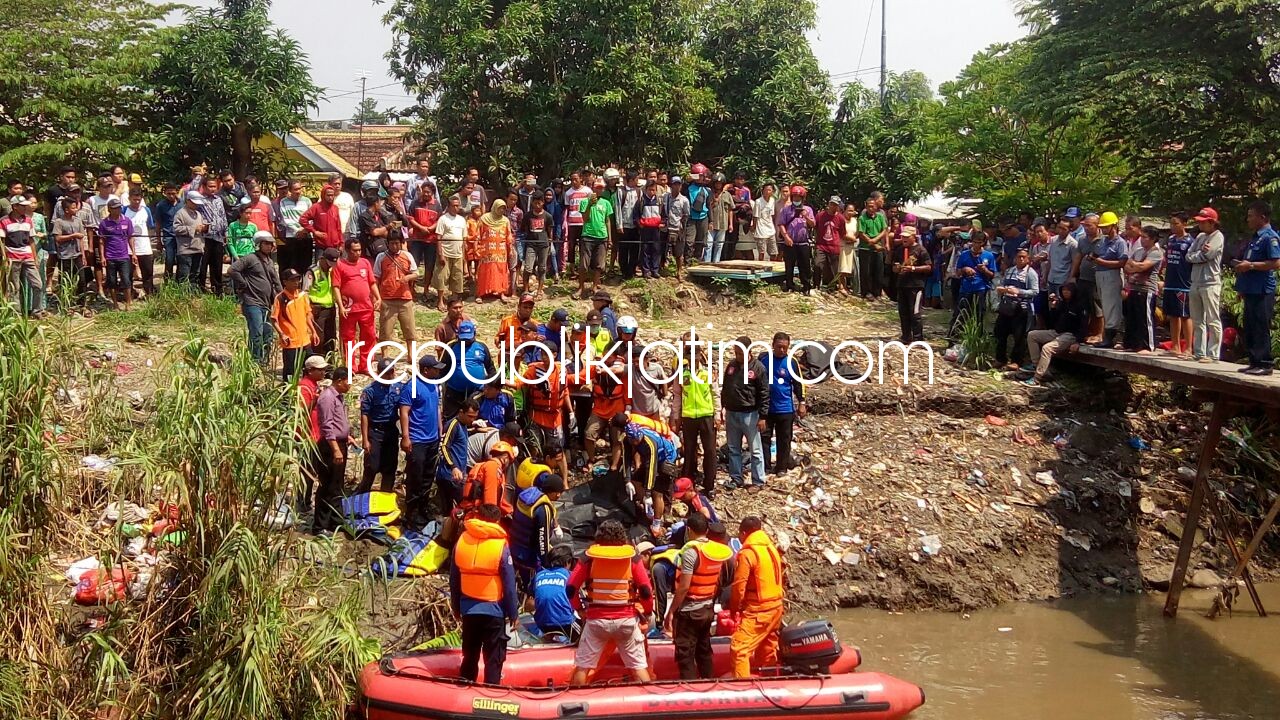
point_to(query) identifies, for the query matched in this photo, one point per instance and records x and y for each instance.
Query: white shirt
(290, 211)
(452, 230)
(345, 204)
(142, 224)
(764, 211)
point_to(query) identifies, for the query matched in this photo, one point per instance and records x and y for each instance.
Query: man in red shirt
(259, 211)
(423, 216)
(830, 237)
(322, 222)
(355, 290)
(615, 578)
(313, 371)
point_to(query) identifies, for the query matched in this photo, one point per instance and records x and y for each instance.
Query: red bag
(97, 587)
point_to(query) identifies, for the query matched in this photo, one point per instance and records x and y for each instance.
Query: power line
(865, 31)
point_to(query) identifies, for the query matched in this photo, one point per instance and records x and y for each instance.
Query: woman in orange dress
(495, 245)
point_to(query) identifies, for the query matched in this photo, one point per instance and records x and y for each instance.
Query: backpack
(700, 203)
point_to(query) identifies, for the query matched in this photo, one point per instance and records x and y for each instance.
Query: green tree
(223, 78)
(774, 100)
(367, 113)
(874, 147)
(1185, 91)
(989, 143)
(546, 85)
(68, 77)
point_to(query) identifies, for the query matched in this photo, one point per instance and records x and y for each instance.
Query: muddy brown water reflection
(1091, 659)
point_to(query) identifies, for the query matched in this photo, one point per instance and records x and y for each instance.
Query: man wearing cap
(722, 222)
(420, 436)
(396, 272)
(554, 331)
(795, 223)
(375, 224)
(189, 227)
(1110, 255)
(294, 323)
(115, 232)
(214, 211)
(355, 290)
(314, 371)
(22, 278)
(256, 282)
(744, 400)
(831, 229)
(675, 226)
(1256, 283)
(534, 524)
(1074, 217)
(912, 265)
(1205, 256)
(602, 301)
(470, 367)
(698, 189)
(318, 285)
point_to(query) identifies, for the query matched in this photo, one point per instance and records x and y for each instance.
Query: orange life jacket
(657, 426)
(478, 555)
(765, 587)
(609, 581)
(706, 576)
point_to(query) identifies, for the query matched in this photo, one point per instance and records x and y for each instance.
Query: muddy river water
(1094, 659)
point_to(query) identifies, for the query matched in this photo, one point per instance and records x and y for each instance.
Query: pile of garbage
(143, 536)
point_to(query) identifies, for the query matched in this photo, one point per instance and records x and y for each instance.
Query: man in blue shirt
(1110, 255)
(551, 608)
(1014, 239)
(977, 268)
(470, 366)
(553, 332)
(1256, 284)
(420, 436)
(165, 210)
(379, 410)
(786, 403)
(699, 212)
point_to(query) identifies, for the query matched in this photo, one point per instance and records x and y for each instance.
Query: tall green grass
(237, 621)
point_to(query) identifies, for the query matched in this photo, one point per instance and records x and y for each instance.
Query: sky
(936, 37)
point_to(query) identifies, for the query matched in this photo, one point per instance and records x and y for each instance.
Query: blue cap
(1072, 213)
(467, 330)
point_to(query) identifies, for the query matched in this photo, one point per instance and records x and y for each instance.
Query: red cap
(682, 486)
(1207, 214)
(798, 190)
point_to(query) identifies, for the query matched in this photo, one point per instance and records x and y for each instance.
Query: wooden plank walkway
(739, 270)
(1231, 391)
(1220, 377)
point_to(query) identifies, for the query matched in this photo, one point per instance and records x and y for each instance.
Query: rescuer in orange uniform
(618, 600)
(756, 600)
(484, 484)
(482, 593)
(693, 608)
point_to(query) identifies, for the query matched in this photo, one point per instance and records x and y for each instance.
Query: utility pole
(884, 52)
(364, 79)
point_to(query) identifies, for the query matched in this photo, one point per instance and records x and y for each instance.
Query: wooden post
(1267, 522)
(1208, 449)
(1221, 519)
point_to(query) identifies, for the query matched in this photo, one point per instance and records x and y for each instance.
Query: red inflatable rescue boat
(535, 687)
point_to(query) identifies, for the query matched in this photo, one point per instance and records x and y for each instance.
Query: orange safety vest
(764, 589)
(549, 396)
(609, 581)
(706, 576)
(478, 555)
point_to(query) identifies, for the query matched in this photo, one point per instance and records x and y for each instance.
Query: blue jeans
(715, 246)
(170, 256)
(736, 426)
(188, 269)
(260, 331)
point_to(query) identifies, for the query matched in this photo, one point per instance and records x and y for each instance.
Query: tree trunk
(241, 149)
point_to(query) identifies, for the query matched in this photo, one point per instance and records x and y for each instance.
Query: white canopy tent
(942, 207)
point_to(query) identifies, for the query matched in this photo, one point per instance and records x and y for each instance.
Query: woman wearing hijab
(495, 245)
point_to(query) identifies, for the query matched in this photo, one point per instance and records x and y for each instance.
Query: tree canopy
(252, 79)
(989, 142)
(1186, 92)
(367, 113)
(69, 76)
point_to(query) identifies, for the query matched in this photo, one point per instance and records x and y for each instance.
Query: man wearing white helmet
(256, 283)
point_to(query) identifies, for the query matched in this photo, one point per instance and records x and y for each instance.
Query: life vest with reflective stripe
(525, 546)
(765, 587)
(478, 555)
(657, 426)
(609, 582)
(706, 576)
(528, 473)
(671, 555)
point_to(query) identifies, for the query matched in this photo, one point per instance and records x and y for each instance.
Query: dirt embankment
(956, 496)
